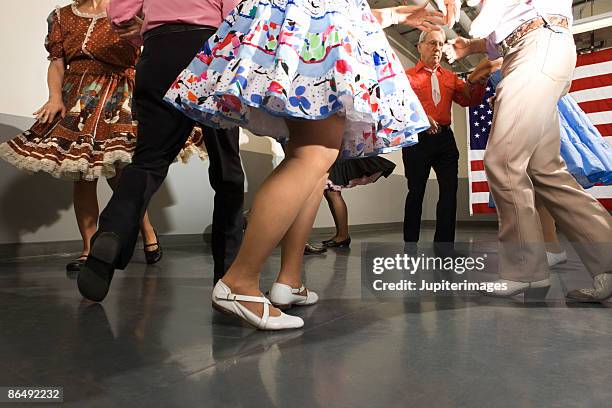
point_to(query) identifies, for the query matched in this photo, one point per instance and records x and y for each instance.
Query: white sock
(556, 258)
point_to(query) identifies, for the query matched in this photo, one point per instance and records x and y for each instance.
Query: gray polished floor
(155, 341)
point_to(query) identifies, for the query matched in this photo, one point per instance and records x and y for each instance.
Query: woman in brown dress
(86, 129)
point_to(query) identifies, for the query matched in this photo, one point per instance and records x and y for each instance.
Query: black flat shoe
(97, 272)
(75, 264)
(73, 267)
(311, 249)
(155, 255)
(330, 243)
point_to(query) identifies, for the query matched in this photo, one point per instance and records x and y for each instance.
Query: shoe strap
(263, 321)
(232, 297)
(299, 290)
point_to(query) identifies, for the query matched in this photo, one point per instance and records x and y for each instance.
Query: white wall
(23, 72)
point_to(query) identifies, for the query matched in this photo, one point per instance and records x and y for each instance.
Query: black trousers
(440, 152)
(162, 132)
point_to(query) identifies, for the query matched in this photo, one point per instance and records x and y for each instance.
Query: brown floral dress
(98, 133)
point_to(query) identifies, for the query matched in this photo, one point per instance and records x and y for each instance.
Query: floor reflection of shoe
(531, 290)
(411, 248)
(601, 290)
(452, 253)
(332, 243)
(447, 250)
(224, 301)
(311, 249)
(97, 272)
(556, 258)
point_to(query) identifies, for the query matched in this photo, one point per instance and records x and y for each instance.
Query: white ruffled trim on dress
(80, 169)
(79, 13)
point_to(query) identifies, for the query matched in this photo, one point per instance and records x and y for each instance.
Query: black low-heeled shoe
(311, 249)
(330, 243)
(97, 272)
(155, 255)
(75, 264)
(73, 267)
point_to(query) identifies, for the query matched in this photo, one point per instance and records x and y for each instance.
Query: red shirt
(451, 89)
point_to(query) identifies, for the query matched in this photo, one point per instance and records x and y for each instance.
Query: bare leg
(313, 147)
(146, 228)
(292, 250)
(85, 197)
(339, 211)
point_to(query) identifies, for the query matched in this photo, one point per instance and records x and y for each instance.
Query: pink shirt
(159, 12)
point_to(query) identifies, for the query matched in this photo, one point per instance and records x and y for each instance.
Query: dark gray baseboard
(69, 249)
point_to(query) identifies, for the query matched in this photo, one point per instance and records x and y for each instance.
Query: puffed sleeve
(54, 40)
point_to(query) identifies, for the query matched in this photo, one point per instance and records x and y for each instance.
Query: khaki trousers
(524, 166)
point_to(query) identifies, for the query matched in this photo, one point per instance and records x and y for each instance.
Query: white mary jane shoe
(227, 302)
(284, 296)
(531, 290)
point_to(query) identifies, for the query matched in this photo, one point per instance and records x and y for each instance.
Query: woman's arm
(121, 12)
(55, 104)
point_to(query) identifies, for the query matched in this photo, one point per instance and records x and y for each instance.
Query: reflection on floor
(156, 342)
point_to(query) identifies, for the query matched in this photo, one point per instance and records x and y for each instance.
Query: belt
(529, 26)
(174, 28)
(89, 66)
(441, 129)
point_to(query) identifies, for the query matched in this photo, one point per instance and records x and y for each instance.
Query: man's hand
(484, 69)
(456, 48)
(451, 10)
(419, 17)
(130, 30)
(434, 127)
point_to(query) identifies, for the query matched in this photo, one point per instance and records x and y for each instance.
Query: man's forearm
(474, 93)
(478, 46)
(122, 11)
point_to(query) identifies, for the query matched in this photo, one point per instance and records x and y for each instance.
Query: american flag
(591, 88)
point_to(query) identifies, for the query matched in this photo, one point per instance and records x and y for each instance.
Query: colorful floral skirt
(97, 135)
(300, 59)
